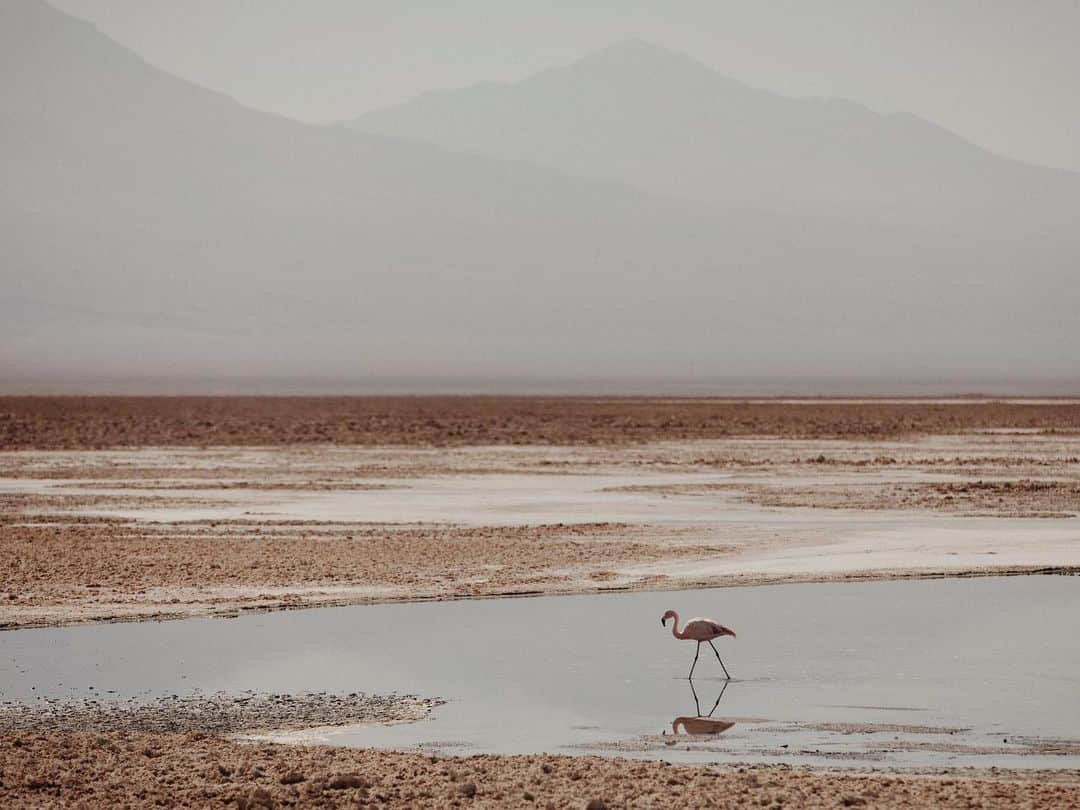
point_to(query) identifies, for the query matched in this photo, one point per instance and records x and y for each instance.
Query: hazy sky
(1005, 75)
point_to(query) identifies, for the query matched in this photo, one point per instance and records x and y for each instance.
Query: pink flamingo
(699, 630)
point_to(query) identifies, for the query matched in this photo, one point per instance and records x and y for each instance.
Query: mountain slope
(152, 227)
(657, 119)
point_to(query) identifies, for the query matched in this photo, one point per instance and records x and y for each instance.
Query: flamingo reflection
(702, 724)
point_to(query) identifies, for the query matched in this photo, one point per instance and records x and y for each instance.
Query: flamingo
(699, 630)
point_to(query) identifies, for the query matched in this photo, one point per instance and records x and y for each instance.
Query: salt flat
(140, 532)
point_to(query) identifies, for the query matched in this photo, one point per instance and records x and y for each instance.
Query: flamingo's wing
(709, 627)
(726, 631)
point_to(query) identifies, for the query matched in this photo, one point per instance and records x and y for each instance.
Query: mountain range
(585, 223)
(638, 113)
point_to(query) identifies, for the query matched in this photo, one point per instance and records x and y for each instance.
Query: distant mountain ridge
(642, 114)
(149, 226)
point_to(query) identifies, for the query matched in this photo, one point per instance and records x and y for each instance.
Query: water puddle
(914, 673)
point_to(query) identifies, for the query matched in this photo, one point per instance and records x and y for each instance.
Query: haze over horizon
(633, 215)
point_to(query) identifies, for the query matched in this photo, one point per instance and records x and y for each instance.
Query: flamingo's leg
(696, 654)
(697, 705)
(722, 688)
(718, 659)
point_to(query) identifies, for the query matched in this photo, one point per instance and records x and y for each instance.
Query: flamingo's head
(669, 614)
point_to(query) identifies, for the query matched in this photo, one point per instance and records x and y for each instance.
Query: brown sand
(194, 770)
(56, 571)
(91, 422)
(160, 532)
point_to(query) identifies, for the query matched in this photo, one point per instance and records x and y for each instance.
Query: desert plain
(135, 509)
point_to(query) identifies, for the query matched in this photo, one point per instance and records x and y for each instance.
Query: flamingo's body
(701, 631)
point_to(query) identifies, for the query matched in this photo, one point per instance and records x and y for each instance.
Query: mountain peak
(630, 67)
(635, 47)
(631, 56)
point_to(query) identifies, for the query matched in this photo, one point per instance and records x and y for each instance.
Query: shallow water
(996, 659)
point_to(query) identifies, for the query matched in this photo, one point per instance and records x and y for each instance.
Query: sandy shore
(220, 713)
(171, 532)
(196, 770)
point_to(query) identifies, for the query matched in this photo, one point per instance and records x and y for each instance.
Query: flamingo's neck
(675, 626)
